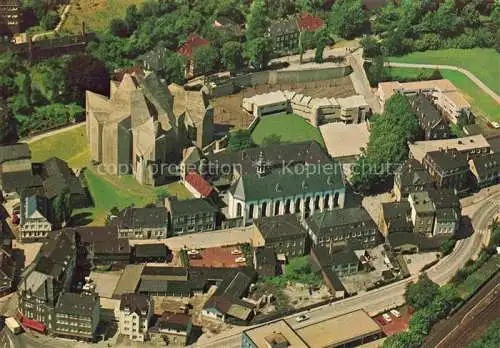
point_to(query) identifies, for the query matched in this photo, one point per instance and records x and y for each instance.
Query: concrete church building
(144, 125)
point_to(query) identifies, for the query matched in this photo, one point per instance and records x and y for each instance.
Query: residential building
(151, 253)
(448, 168)
(77, 316)
(422, 212)
(352, 225)
(198, 186)
(404, 242)
(103, 245)
(283, 233)
(396, 218)
(265, 261)
(285, 34)
(164, 281)
(144, 125)
(45, 279)
(35, 219)
(472, 146)
(142, 223)
(187, 50)
(136, 311)
(443, 92)
(280, 179)
(485, 169)
(11, 17)
(7, 270)
(58, 179)
(16, 174)
(190, 216)
(448, 211)
(411, 176)
(341, 259)
(429, 118)
(174, 328)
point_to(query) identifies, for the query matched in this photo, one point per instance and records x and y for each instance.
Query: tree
(371, 47)
(490, 339)
(258, 52)
(232, 55)
(204, 59)
(376, 71)
(422, 293)
(347, 18)
(118, 27)
(404, 339)
(447, 246)
(132, 18)
(49, 20)
(82, 73)
(272, 139)
(239, 140)
(7, 127)
(257, 22)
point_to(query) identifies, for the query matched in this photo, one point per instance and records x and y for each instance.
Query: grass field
(479, 277)
(290, 127)
(482, 104)
(70, 146)
(482, 62)
(112, 191)
(97, 14)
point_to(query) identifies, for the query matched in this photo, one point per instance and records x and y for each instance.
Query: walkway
(467, 73)
(64, 15)
(34, 138)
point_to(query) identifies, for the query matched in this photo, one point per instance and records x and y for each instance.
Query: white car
(301, 318)
(395, 313)
(387, 317)
(193, 252)
(240, 260)
(236, 252)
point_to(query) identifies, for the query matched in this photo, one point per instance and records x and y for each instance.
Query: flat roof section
(275, 333)
(345, 140)
(339, 330)
(418, 149)
(129, 280)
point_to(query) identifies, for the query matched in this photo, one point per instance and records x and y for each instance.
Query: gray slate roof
(448, 160)
(73, 303)
(339, 220)
(136, 303)
(191, 206)
(57, 176)
(131, 217)
(14, 152)
(280, 227)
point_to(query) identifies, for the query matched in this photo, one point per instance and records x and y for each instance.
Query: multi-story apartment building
(283, 233)
(189, 216)
(410, 177)
(10, 17)
(77, 316)
(142, 223)
(45, 279)
(34, 220)
(430, 120)
(136, 311)
(422, 212)
(352, 225)
(448, 168)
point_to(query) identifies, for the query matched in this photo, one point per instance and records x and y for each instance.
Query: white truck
(13, 325)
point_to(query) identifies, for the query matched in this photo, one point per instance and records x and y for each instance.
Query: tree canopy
(347, 18)
(422, 293)
(239, 140)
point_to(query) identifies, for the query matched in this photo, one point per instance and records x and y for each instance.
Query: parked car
(395, 313)
(236, 252)
(387, 317)
(301, 318)
(240, 260)
(381, 320)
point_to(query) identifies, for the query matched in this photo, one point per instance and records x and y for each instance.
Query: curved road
(467, 73)
(391, 295)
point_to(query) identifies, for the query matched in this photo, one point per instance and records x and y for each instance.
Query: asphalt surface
(389, 296)
(471, 321)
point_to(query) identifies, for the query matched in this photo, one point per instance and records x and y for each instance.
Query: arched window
(277, 208)
(250, 211)
(297, 205)
(327, 201)
(316, 203)
(238, 209)
(264, 209)
(287, 206)
(336, 200)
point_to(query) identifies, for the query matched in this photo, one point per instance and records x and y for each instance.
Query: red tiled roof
(194, 41)
(308, 22)
(199, 184)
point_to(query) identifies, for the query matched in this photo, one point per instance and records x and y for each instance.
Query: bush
(447, 246)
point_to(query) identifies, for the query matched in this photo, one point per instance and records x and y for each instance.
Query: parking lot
(394, 324)
(218, 257)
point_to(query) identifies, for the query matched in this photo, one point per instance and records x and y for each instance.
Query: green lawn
(482, 104)
(479, 277)
(97, 14)
(482, 62)
(290, 127)
(70, 146)
(109, 191)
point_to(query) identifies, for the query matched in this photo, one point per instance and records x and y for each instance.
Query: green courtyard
(290, 128)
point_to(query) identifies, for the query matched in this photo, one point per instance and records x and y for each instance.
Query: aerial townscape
(256, 174)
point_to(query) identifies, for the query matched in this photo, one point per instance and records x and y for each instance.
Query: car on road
(395, 313)
(301, 318)
(387, 317)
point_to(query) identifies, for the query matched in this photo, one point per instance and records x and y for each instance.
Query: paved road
(470, 322)
(391, 295)
(467, 73)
